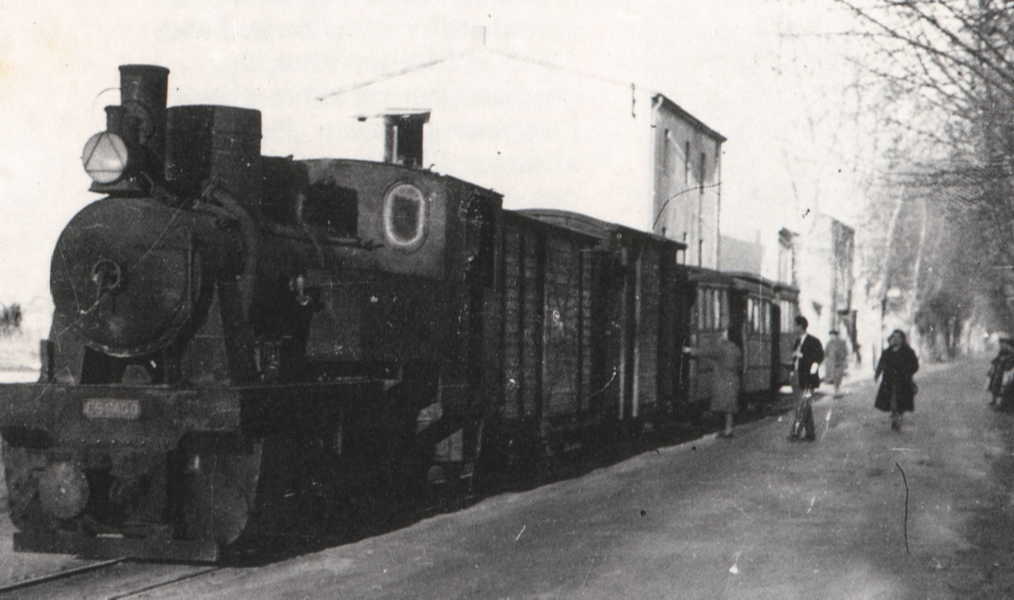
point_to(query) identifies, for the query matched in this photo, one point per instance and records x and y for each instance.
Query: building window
(700, 181)
(667, 161)
(405, 217)
(686, 163)
(403, 138)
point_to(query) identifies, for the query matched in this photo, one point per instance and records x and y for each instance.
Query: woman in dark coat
(1003, 363)
(727, 361)
(897, 390)
(728, 367)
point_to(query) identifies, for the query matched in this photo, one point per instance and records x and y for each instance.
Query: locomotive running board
(87, 546)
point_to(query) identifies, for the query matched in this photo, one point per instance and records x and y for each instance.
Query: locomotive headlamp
(105, 157)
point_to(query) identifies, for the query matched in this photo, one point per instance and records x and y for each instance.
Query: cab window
(333, 208)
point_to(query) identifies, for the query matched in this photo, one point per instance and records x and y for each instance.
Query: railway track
(114, 579)
(19, 583)
(199, 572)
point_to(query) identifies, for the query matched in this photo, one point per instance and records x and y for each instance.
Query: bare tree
(943, 202)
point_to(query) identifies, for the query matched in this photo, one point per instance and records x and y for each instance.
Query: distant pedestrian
(1001, 371)
(807, 354)
(898, 363)
(836, 360)
(727, 361)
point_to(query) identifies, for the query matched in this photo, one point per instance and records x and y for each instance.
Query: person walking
(999, 370)
(898, 363)
(836, 360)
(727, 361)
(807, 354)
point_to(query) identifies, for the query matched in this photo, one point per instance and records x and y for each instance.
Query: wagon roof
(744, 277)
(704, 275)
(785, 289)
(596, 227)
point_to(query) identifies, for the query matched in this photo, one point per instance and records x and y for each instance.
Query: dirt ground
(752, 517)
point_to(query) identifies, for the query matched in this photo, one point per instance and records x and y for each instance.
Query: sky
(762, 72)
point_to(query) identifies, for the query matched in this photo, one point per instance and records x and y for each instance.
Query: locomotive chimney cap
(143, 67)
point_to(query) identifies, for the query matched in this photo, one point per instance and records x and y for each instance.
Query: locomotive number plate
(112, 408)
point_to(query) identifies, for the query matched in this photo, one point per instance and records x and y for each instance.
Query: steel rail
(59, 575)
(162, 584)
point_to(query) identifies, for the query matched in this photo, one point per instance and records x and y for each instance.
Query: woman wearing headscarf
(727, 361)
(836, 360)
(897, 364)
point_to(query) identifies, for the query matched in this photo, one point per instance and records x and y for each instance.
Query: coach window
(726, 311)
(716, 310)
(705, 309)
(716, 302)
(697, 311)
(405, 213)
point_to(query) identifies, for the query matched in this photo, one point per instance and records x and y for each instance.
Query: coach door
(684, 300)
(776, 347)
(737, 318)
(627, 323)
(738, 315)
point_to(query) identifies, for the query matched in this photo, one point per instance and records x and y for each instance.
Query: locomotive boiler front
(127, 272)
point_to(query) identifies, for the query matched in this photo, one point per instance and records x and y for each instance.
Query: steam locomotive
(243, 346)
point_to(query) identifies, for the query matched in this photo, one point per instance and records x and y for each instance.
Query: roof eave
(683, 113)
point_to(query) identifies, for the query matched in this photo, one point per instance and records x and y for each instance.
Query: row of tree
(940, 76)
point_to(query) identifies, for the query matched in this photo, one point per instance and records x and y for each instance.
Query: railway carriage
(545, 348)
(753, 309)
(642, 292)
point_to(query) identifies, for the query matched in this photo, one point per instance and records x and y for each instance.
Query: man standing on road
(807, 355)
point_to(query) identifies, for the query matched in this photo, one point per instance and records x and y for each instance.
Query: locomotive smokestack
(142, 122)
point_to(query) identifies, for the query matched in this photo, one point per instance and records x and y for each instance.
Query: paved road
(751, 517)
